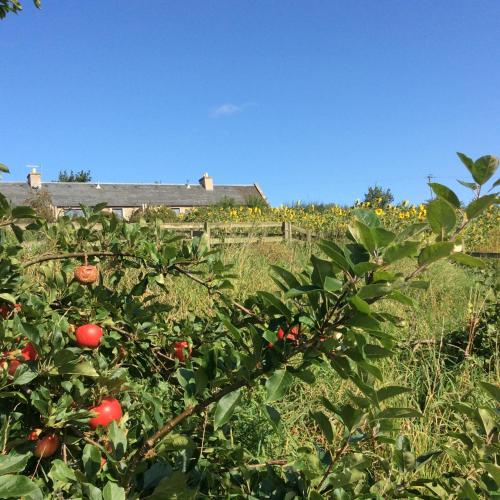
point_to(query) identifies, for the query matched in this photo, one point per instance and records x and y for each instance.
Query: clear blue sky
(315, 100)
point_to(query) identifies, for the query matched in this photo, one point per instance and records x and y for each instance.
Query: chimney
(34, 179)
(207, 182)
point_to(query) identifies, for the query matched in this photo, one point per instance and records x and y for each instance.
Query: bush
(41, 203)
(150, 214)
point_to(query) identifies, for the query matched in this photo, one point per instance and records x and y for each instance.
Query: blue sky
(314, 100)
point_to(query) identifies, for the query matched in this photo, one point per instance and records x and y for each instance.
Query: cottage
(124, 199)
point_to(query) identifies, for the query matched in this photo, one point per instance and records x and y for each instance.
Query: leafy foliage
(175, 436)
(378, 197)
(81, 176)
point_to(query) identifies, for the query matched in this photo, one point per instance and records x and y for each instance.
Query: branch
(73, 255)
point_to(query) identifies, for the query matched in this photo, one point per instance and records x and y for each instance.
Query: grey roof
(72, 194)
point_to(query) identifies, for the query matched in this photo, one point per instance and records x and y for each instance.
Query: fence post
(287, 231)
(206, 228)
(308, 236)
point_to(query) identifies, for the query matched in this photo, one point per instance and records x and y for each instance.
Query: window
(176, 211)
(118, 212)
(73, 212)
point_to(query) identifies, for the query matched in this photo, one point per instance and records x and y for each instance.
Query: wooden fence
(218, 233)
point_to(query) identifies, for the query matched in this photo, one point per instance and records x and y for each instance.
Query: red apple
(180, 348)
(29, 352)
(89, 336)
(108, 411)
(47, 446)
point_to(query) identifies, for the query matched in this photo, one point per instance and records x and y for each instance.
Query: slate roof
(72, 194)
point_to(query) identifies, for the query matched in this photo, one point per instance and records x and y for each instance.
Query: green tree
(379, 196)
(14, 6)
(81, 176)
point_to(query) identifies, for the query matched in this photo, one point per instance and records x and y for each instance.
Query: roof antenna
(188, 186)
(98, 186)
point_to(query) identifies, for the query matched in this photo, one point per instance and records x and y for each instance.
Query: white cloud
(228, 109)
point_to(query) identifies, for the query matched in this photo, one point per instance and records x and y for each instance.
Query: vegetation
(121, 380)
(81, 176)
(14, 6)
(41, 203)
(376, 196)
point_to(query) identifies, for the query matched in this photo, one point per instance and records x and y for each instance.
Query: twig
(73, 255)
(265, 464)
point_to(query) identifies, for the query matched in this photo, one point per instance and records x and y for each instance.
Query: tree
(81, 176)
(41, 203)
(379, 196)
(14, 6)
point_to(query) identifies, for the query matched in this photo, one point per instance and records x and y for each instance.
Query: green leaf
(275, 303)
(7, 297)
(470, 185)
(391, 391)
(434, 252)
(484, 168)
(118, 439)
(91, 458)
(492, 389)
(23, 213)
(4, 168)
(13, 486)
(382, 237)
(332, 284)
(400, 251)
(360, 304)
(334, 252)
(24, 375)
(445, 193)
(277, 385)
(374, 290)
(172, 487)
(363, 235)
(494, 471)
(225, 408)
(62, 472)
(302, 290)
(324, 424)
(274, 416)
(467, 260)
(321, 270)
(441, 216)
(113, 492)
(286, 276)
(13, 463)
(474, 208)
(84, 368)
(390, 413)
(401, 298)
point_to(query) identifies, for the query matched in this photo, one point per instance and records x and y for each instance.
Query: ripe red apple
(47, 446)
(180, 347)
(29, 352)
(86, 274)
(109, 410)
(291, 335)
(88, 336)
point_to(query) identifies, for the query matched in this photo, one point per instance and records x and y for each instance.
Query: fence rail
(218, 233)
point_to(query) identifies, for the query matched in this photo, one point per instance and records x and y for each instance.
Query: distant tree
(14, 6)
(82, 176)
(378, 196)
(256, 201)
(41, 203)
